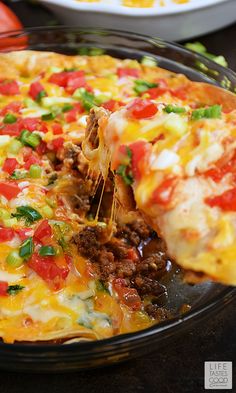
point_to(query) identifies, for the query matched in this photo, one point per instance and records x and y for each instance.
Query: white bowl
(171, 22)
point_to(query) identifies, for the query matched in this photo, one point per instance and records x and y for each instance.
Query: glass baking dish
(205, 298)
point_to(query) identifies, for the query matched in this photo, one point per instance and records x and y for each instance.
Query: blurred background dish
(174, 21)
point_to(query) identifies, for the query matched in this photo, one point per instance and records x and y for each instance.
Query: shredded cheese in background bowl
(138, 3)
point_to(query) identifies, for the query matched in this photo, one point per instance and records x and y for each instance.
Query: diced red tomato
(57, 129)
(31, 160)
(225, 201)
(41, 148)
(71, 116)
(78, 106)
(56, 144)
(132, 254)
(26, 152)
(48, 270)
(142, 109)
(221, 169)
(33, 124)
(128, 296)
(6, 234)
(10, 129)
(139, 151)
(10, 164)
(162, 83)
(35, 89)
(75, 80)
(164, 192)
(121, 72)
(71, 80)
(3, 288)
(156, 92)
(30, 124)
(43, 231)
(9, 88)
(14, 107)
(24, 233)
(112, 105)
(180, 93)
(9, 189)
(59, 78)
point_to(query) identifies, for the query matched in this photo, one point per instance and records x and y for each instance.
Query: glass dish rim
(228, 293)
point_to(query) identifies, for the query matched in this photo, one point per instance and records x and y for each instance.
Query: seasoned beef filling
(134, 256)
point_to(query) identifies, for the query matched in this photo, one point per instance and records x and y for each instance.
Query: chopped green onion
(88, 99)
(35, 171)
(91, 51)
(200, 48)
(26, 249)
(47, 212)
(127, 176)
(96, 51)
(14, 146)
(196, 47)
(19, 174)
(14, 289)
(45, 251)
(149, 61)
(9, 222)
(83, 51)
(30, 139)
(212, 112)
(67, 107)
(13, 259)
(4, 214)
(40, 95)
(174, 109)
(141, 86)
(9, 118)
(28, 213)
(48, 116)
(30, 103)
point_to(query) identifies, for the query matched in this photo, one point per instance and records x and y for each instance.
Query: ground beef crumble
(134, 255)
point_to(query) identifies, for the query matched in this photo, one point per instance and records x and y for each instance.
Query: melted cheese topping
(174, 188)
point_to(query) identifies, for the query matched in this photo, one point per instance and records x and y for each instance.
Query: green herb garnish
(26, 249)
(14, 289)
(48, 116)
(45, 251)
(17, 174)
(67, 107)
(40, 95)
(88, 99)
(28, 213)
(126, 175)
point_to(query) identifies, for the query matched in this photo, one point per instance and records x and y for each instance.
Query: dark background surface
(178, 368)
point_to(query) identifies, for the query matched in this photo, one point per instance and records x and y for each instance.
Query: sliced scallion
(9, 118)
